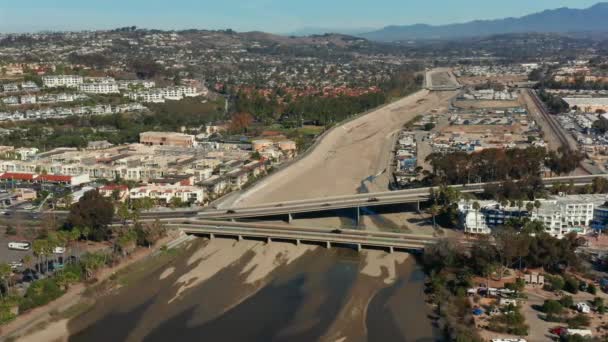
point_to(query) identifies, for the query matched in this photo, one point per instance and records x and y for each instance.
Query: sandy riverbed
(347, 155)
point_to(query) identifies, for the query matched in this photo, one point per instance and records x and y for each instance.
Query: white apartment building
(99, 88)
(187, 194)
(69, 81)
(105, 79)
(134, 84)
(565, 214)
(27, 99)
(560, 215)
(162, 94)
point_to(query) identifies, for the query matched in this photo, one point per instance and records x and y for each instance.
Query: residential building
(109, 190)
(68, 81)
(167, 139)
(164, 194)
(99, 88)
(26, 153)
(27, 99)
(560, 215)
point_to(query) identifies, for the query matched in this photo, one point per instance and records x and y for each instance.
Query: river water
(328, 295)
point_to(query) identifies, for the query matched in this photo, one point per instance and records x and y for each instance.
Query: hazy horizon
(273, 16)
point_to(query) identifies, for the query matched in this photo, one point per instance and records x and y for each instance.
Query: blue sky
(279, 16)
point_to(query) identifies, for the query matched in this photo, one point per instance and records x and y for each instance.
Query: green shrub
(592, 289)
(552, 307)
(571, 285)
(567, 301)
(579, 321)
(40, 293)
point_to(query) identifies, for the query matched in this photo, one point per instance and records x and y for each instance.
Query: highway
(359, 200)
(327, 237)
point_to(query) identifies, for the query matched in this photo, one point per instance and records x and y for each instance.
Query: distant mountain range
(561, 20)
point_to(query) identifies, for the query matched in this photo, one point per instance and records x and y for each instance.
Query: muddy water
(308, 299)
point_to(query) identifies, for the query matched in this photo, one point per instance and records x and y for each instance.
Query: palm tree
(434, 210)
(75, 235)
(476, 207)
(519, 204)
(27, 261)
(537, 205)
(86, 232)
(529, 207)
(40, 248)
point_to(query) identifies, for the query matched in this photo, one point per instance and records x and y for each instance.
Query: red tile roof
(112, 187)
(17, 176)
(54, 178)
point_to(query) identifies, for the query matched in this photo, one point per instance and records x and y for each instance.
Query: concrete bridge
(356, 239)
(355, 202)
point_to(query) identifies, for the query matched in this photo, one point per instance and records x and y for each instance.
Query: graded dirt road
(352, 158)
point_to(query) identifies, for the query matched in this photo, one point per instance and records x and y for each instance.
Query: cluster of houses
(165, 164)
(475, 130)
(490, 94)
(137, 90)
(61, 112)
(406, 159)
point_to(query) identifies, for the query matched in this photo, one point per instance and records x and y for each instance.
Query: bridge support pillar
(211, 236)
(297, 242)
(359, 247)
(418, 206)
(232, 220)
(268, 240)
(289, 218)
(357, 215)
(328, 245)
(240, 237)
(391, 250)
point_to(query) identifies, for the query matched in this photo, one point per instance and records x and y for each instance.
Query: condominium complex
(99, 88)
(162, 94)
(68, 81)
(560, 215)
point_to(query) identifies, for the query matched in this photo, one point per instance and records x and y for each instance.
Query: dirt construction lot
(351, 158)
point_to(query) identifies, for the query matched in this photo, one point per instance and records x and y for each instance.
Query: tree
(529, 207)
(27, 261)
(476, 207)
(40, 249)
(240, 122)
(506, 247)
(93, 211)
(5, 274)
(149, 233)
(537, 205)
(433, 211)
(91, 263)
(176, 202)
(567, 301)
(552, 307)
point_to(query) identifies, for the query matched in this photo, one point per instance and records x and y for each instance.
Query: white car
(59, 250)
(20, 246)
(15, 265)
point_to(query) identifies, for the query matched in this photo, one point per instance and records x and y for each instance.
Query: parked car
(15, 264)
(59, 250)
(559, 331)
(20, 245)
